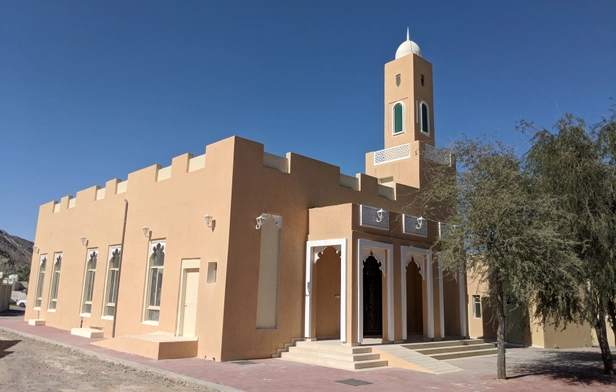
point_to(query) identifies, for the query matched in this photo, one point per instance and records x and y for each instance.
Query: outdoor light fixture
(420, 222)
(261, 220)
(146, 231)
(379, 215)
(84, 241)
(208, 220)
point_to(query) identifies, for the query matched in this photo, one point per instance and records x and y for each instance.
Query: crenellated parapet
(292, 165)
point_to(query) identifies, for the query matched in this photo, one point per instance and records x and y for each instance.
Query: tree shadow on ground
(12, 313)
(5, 345)
(575, 367)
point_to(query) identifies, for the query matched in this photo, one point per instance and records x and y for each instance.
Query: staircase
(425, 356)
(453, 349)
(331, 353)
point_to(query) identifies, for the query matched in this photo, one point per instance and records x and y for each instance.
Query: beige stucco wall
(410, 92)
(522, 329)
(235, 182)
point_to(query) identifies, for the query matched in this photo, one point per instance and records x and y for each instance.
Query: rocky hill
(15, 253)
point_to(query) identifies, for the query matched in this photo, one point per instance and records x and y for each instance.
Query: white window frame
(86, 279)
(40, 282)
(421, 117)
(474, 304)
(393, 118)
(109, 281)
(147, 306)
(53, 291)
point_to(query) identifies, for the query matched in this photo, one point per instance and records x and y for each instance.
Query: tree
(503, 233)
(578, 165)
(24, 273)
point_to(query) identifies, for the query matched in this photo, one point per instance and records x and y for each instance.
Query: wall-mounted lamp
(379, 215)
(261, 220)
(84, 241)
(420, 222)
(209, 220)
(146, 231)
(35, 249)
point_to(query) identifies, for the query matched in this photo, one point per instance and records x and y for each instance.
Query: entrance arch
(383, 253)
(326, 278)
(373, 298)
(414, 298)
(313, 248)
(423, 259)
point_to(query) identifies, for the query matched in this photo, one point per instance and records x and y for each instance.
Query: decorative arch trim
(366, 249)
(397, 118)
(423, 258)
(313, 250)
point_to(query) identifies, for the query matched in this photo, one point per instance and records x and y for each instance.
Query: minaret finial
(407, 34)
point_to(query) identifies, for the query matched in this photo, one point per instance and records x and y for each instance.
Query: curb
(108, 358)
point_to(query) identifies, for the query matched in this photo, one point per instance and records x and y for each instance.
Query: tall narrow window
(113, 270)
(88, 287)
(398, 116)
(155, 281)
(476, 306)
(425, 118)
(40, 282)
(55, 281)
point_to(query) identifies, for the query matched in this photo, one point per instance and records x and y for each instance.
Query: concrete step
(451, 349)
(334, 347)
(316, 352)
(286, 347)
(334, 363)
(87, 332)
(442, 343)
(465, 354)
(36, 322)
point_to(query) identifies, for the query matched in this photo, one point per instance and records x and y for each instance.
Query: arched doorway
(414, 301)
(373, 298)
(326, 285)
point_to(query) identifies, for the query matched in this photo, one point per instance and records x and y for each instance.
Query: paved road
(528, 368)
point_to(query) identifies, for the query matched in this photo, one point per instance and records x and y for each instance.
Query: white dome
(408, 47)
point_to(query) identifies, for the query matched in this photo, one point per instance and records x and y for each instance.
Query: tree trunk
(501, 365)
(606, 355)
(612, 316)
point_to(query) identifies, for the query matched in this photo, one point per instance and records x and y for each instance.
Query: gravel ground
(30, 365)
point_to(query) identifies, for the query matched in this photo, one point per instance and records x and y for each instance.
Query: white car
(21, 302)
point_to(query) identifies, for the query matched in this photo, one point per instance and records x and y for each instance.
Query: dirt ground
(30, 365)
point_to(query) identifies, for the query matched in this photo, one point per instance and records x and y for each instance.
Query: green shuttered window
(398, 118)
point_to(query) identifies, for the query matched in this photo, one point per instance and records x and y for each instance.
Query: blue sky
(93, 90)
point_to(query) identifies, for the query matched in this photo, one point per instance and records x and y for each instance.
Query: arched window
(88, 287)
(155, 281)
(398, 116)
(55, 281)
(425, 118)
(113, 272)
(41, 280)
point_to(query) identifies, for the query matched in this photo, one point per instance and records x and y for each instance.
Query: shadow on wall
(584, 368)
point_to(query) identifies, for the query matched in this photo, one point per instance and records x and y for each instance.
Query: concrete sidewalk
(528, 369)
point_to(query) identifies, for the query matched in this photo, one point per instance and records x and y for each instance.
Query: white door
(189, 307)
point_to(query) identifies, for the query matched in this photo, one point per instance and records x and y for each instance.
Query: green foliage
(578, 165)
(505, 234)
(24, 273)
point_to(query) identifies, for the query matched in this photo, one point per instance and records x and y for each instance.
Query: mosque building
(236, 253)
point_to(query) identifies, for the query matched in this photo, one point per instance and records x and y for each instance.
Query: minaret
(408, 97)
(408, 121)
